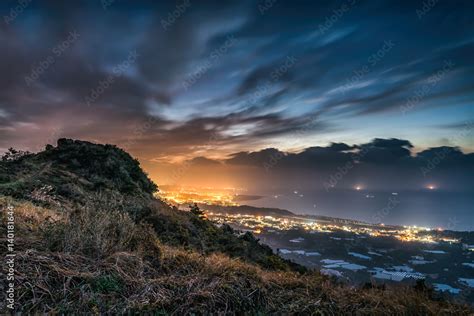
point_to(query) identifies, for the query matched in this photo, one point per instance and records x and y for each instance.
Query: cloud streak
(304, 74)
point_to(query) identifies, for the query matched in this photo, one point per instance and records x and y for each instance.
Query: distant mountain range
(246, 209)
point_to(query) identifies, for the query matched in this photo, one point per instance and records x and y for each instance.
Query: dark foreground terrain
(91, 238)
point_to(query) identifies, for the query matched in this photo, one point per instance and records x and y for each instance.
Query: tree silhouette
(13, 154)
(196, 210)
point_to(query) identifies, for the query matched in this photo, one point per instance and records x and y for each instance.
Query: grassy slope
(77, 174)
(94, 253)
(117, 273)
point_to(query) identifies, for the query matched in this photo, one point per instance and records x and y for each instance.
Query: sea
(433, 209)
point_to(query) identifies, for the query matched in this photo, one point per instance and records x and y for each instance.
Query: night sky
(303, 84)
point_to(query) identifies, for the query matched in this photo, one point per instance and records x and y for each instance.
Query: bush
(145, 242)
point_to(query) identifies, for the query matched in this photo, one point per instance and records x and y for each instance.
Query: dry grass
(30, 217)
(191, 283)
(94, 233)
(138, 274)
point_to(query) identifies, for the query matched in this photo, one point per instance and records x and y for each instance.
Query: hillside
(91, 238)
(78, 174)
(248, 210)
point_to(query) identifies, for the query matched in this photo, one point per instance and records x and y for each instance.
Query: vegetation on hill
(76, 174)
(110, 247)
(73, 170)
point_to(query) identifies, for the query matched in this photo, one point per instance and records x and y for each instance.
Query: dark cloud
(381, 163)
(385, 151)
(338, 147)
(203, 161)
(448, 157)
(258, 158)
(265, 76)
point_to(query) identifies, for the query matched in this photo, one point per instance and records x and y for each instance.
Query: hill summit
(72, 171)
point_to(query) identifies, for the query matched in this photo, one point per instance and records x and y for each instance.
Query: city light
(210, 196)
(270, 224)
(263, 224)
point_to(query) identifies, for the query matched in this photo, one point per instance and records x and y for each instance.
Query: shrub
(194, 209)
(145, 242)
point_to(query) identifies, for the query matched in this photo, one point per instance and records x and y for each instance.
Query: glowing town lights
(264, 224)
(431, 187)
(189, 196)
(269, 224)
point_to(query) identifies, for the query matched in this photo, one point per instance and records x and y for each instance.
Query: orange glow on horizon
(207, 195)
